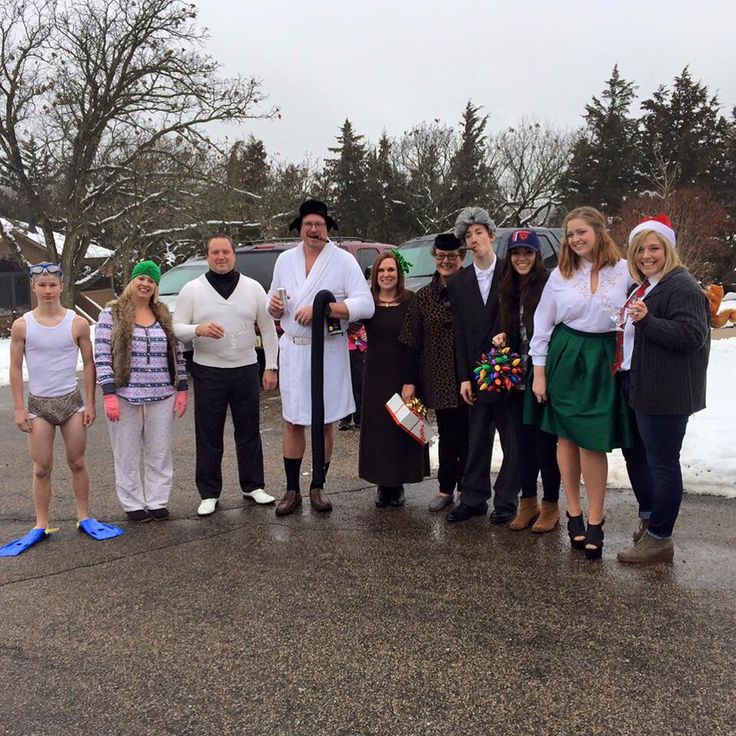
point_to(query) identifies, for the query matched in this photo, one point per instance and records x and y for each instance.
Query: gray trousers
(144, 431)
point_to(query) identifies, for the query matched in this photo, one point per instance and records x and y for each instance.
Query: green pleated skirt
(585, 402)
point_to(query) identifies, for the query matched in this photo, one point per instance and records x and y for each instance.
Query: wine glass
(618, 319)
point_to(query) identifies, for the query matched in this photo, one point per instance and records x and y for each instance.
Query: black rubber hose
(320, 309)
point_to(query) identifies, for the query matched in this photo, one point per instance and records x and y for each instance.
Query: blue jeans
(662, 436)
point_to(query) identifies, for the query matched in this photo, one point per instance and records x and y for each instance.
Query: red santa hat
(661, 224)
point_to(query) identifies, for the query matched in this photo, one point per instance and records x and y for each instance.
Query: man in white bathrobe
(315, 264)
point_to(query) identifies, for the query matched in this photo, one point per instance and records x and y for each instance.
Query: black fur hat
(447, 241)
(313, 207)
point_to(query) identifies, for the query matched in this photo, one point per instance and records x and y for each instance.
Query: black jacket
(475, 323)
(671, 348)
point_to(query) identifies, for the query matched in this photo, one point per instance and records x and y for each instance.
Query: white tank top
(51, 357)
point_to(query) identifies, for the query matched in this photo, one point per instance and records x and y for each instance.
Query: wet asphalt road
(364, 621)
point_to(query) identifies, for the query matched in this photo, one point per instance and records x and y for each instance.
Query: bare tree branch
(91, 93)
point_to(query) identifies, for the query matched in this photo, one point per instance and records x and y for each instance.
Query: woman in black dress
(389, 457)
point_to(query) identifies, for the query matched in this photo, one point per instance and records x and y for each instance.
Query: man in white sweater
(217, 312)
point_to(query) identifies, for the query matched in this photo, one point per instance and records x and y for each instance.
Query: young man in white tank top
(50, 338)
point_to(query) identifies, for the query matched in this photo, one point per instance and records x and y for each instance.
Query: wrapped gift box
(418, 427)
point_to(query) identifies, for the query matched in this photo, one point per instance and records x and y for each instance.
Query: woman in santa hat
(666, 342)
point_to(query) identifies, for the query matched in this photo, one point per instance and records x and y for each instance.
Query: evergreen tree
(725, 172)
(471, 182)
(387, 214)
(247, 167)
(247, 174)
(606, 161)
(345, 181)
(683, 135)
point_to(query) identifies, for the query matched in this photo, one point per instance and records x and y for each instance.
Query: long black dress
(388, 455)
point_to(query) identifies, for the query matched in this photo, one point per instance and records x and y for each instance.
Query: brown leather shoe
(288, 503)
(525, 516)
(548, 519)
(319, 500)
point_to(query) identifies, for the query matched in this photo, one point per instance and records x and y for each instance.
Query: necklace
(390, 302)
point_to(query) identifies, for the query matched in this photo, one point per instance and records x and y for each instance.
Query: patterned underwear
(55, 409)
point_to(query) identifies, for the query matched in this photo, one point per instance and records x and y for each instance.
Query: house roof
(7, 226)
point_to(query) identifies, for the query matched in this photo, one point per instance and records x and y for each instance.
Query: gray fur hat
(472, 216)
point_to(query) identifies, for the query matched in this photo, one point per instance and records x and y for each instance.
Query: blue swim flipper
(97, 530)
(14, 548)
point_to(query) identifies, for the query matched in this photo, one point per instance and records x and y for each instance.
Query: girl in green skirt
(573, 349)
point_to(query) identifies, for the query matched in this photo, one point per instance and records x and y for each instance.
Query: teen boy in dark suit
(474, 296)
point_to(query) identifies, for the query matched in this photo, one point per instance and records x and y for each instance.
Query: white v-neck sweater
(198, 302)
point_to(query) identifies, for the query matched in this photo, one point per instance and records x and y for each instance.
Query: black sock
(293, 468)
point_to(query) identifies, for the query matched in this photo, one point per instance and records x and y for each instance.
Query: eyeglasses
(446, 257)
(52, 269)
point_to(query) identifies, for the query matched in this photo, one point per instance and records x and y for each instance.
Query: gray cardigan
(671, 348)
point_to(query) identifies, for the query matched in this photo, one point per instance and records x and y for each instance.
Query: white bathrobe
(337, 271)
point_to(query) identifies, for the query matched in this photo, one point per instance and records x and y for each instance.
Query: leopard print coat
(429, 329)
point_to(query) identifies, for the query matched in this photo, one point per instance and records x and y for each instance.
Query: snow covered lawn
(709, 452)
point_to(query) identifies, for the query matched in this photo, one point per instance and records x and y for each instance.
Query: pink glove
(112, 407)
(180, 404)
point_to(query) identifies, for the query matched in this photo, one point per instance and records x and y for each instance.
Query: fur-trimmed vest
(122, 338)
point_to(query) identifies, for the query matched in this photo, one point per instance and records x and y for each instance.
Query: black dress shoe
(501, 517)
(159, 514)
(383, 497)
(463, 512)
(397, 496)
(344, 424)
(140, 516)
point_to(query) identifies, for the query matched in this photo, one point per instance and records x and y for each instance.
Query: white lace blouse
(570, 301)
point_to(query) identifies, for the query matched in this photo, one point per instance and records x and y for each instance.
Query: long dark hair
(402, 294)
(516, 290)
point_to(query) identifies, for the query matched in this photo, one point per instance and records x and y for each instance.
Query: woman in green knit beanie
(142, 373)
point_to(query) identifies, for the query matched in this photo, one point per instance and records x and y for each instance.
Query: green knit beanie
(146, 268)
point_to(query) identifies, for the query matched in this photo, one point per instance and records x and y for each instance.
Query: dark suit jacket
(671, 348)
(475, 323)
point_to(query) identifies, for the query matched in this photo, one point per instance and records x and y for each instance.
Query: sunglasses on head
(52, 269)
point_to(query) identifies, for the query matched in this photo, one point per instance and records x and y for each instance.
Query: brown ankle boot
(548, 519)
(648, 551)
(527, 513)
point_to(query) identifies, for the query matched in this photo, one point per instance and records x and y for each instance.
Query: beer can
(281, 292)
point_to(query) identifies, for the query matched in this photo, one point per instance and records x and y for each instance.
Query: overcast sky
(391, 65)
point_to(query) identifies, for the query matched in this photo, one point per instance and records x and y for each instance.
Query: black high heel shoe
(594, 541)
(576, 528)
